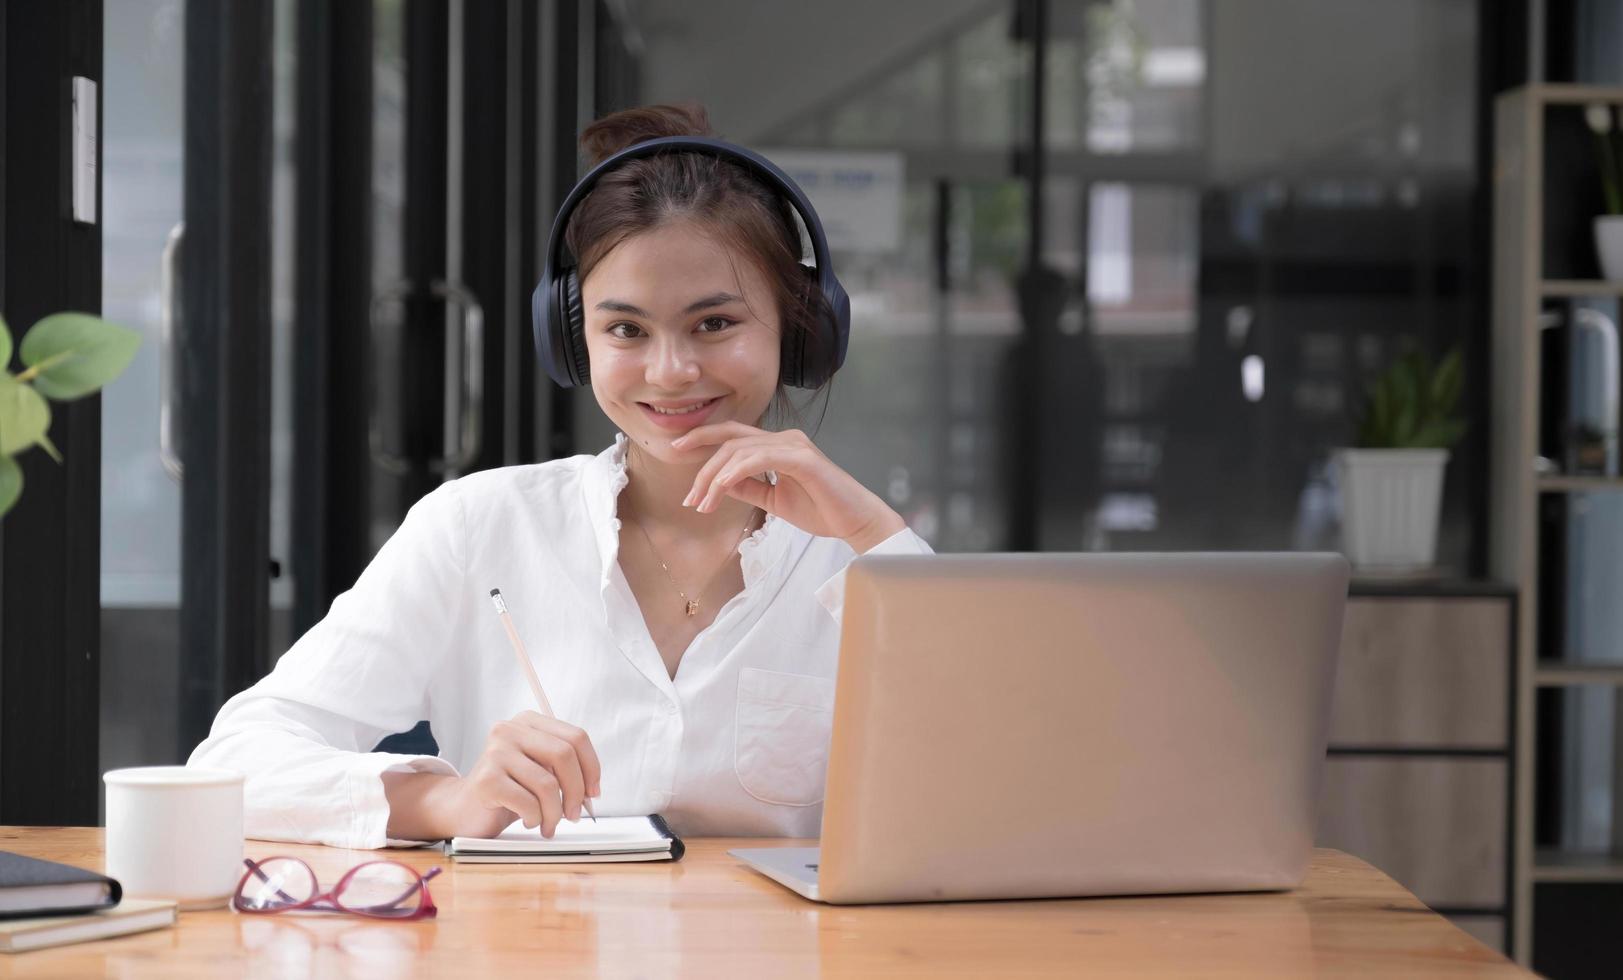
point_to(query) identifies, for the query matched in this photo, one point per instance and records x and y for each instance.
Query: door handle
(168, 402)
(391, 463)
(468, 423)
(464, 414)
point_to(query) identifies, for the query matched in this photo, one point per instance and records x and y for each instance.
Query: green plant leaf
(1410, 375)
(1447, 383)
(1404, 426)
(1376, 430)
(46, 444)
(1416, 375)
(1389, 414)
(24, 416)
(11, 483)
(73, 354)
(5, 345)
(1405, 412)
(1412, 405)
(1438, 434)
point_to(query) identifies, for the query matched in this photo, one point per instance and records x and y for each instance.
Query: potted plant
(1608, 226)
(1392, 480)
(65, 356)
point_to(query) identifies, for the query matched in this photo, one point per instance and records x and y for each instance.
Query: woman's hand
(812, 493)
(533, 768)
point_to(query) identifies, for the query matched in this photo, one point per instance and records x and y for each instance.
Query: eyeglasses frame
(424, 910)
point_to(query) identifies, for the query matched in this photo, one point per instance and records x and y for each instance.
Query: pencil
(529, 671)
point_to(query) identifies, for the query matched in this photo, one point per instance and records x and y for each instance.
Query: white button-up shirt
(736, 744)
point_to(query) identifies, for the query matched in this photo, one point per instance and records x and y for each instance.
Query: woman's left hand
(812, 493)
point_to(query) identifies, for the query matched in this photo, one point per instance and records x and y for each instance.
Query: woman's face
(681, 332)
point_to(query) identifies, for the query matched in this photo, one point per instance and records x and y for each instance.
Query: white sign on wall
(858, 196)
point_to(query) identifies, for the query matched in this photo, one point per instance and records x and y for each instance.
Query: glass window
(1250, 207)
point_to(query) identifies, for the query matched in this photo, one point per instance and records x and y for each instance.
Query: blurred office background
(1245, 208)
(1120, 271)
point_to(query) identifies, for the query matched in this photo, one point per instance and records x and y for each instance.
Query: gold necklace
(691, 605)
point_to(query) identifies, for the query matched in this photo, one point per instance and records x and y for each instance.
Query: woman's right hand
(533, 768)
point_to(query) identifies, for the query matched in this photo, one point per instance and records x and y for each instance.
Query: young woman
(679, 592)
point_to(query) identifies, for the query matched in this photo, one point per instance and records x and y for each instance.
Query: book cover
(31, 886)
(134, 915)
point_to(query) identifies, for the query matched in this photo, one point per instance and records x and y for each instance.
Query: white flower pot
(1609, 245)
(1389, 504)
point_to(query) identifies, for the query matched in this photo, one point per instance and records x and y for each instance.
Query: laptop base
(795, 868)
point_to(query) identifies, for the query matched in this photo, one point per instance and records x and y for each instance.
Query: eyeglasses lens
(382, 888)
(279, 883)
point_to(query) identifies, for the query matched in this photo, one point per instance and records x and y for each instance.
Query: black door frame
(499, 245)
(50, 543)
(225, 358)
(560, 115)
(332, 286)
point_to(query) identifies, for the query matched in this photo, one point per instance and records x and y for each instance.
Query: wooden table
(708, 915)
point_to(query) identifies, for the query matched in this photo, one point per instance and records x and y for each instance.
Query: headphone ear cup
(572, 323)
(809, 361)
(792, 362)
(839, 329)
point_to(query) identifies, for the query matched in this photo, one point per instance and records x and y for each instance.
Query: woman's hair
(745, 214)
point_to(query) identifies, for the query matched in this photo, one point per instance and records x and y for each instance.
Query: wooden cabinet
(1419, 777)
(1423, 673)
(1437, 825)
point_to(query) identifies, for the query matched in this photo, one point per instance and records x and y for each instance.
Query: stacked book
(43, 903)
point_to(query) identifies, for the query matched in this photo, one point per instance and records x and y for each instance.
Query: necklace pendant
(693, 607)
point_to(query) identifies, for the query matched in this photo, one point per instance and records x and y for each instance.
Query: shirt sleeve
(904, 542)
(303, 736)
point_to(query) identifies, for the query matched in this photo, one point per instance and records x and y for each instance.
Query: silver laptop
(1041, 725)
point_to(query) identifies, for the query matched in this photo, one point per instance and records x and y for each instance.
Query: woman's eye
(715, 323)
(625, 331)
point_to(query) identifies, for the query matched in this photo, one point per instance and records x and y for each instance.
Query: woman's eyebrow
(616, 306)
(715, 299)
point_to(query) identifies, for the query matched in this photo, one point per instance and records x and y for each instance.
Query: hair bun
(628, 127)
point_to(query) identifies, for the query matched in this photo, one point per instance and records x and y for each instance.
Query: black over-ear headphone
(560, 322)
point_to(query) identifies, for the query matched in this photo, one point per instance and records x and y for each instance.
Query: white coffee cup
(175, 833)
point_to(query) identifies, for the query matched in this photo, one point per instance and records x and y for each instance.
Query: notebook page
(607, 834)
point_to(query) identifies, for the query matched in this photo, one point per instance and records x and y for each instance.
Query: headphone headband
(556, 304)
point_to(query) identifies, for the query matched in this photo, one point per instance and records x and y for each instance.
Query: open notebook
(609, 839)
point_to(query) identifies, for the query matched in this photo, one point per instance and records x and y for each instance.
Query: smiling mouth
(683, 410)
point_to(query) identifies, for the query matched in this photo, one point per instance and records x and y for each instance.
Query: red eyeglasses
(379, 889)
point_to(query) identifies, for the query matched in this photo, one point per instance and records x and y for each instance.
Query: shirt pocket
(780, 735)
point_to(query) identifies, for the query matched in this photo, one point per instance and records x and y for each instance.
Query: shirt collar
(606, 476)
